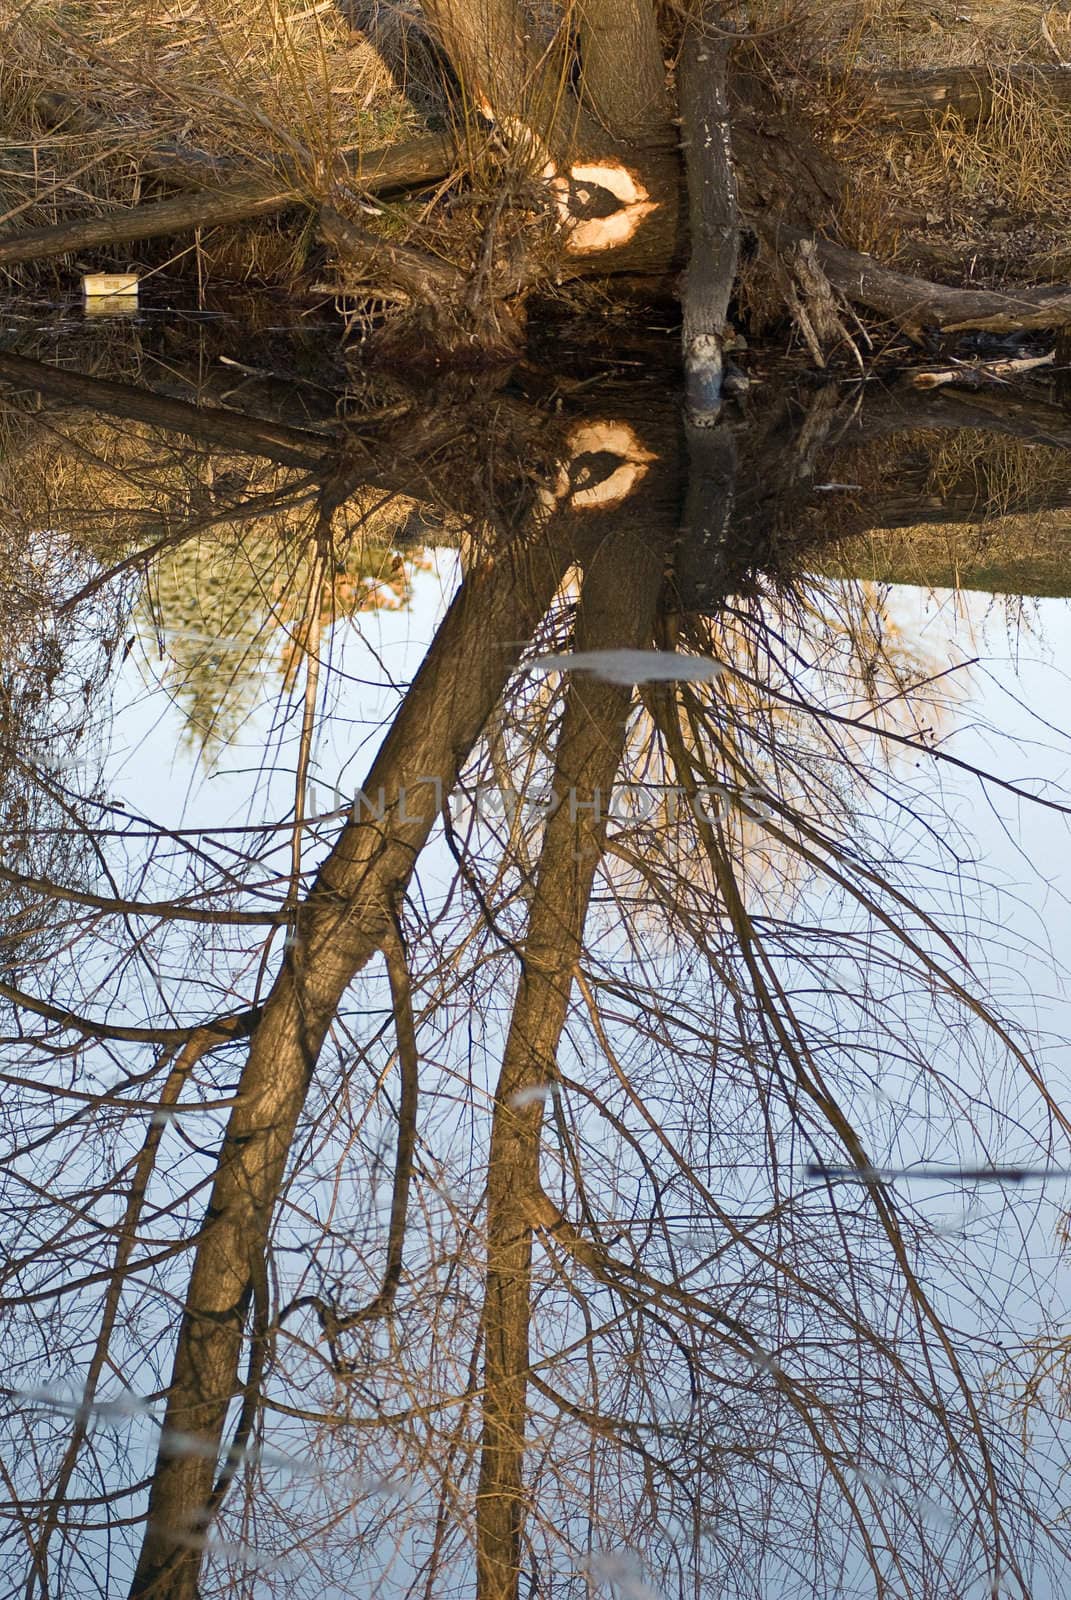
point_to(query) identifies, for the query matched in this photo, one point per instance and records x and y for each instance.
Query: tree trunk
(614, 182)
(623, 74)
(617, 608)
(713, 223)
(347, 917)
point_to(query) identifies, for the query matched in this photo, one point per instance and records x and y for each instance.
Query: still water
(464, 1106)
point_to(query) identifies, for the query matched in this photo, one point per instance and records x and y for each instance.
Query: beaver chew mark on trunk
(601, 205)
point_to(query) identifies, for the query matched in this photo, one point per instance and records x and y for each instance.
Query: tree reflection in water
(414, 1201)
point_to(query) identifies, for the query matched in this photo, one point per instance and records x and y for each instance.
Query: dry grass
(274, 83)
(848, 34)
(1010, 531)
(998, 191)
(1000, 188)
(265, 83)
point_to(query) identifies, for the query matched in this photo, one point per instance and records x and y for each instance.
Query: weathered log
(417, 161)
(914, 100)
(915, 303)
(714, 231)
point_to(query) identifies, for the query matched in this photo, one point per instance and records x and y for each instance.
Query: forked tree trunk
(348, 917)
(608, 156)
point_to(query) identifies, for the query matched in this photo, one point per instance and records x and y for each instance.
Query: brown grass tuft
(263, 83)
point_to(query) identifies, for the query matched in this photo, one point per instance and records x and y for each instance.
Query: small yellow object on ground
(99, 284)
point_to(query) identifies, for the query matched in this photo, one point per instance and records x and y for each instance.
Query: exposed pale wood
(971, 373)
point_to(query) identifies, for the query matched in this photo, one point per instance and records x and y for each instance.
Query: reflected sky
(791, 978)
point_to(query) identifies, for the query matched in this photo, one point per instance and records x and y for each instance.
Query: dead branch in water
(417, 275)
(970, 374)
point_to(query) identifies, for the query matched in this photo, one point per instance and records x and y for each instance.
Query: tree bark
(505, 73)
(713, 223)
(623, 74)
(617, 608)
(347, 917)
(616, 199)
(916, 99)
(915, 304)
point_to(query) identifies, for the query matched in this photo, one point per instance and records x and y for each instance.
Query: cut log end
(626, 204)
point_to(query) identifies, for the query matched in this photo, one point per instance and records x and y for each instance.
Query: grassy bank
(98, 100)
(104, 105)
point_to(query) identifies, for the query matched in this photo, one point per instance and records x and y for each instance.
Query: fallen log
(417, 161)
(914, 100)
(915, 304)
(713, 221)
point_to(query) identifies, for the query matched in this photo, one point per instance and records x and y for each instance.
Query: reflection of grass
(1004, 529)
(228, 603)
(1016, 556)
(230, 611)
